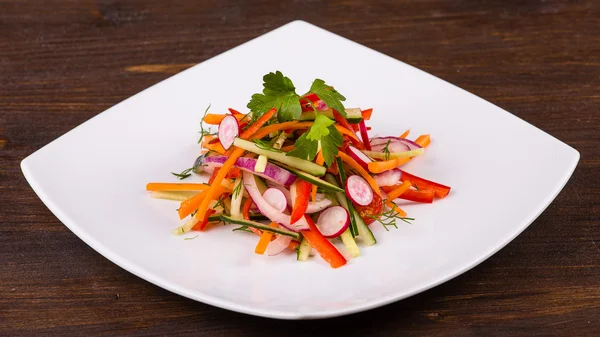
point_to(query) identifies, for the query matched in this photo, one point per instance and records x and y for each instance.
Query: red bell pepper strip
(234, 111)
(439, 189)
(364, 135)
(303, 189)
(325, 248)
(200, 225)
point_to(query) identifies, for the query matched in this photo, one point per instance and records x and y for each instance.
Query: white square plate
(93, 180)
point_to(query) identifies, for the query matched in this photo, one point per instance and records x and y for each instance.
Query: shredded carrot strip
(176, 187)
(281, 126)
(346, 132)
(258, 124)
(264, 240)
(386, 165)
(405, 134)
(190, 205)
(215, 119)
(348, 160)
(366, 114)
(319, 161)
(396, 192)
(423, 140)
(216, 147)
(211, 193)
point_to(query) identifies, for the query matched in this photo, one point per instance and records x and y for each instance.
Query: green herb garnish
(389, 218)
(237, 189)
(204, 132)
(322, 131)
(242, 228)
(192, 238)
(184, 174)
(386, 150)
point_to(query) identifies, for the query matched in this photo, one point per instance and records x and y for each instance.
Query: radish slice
(358, 190)
(228, 130)
(388, 178)
(275, 198)
(278, 245)
(313, 207)
(267, 210)
(397, 144)
(333, 221)
(272, 172)
(361, 158)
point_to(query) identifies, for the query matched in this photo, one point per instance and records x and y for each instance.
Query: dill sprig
(184, 174)
(386, 150)
(204, 132)
(388, 218)
(237, 189)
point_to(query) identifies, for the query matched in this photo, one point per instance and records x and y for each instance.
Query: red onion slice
(278, 245)
(272, 172)
(266, 209)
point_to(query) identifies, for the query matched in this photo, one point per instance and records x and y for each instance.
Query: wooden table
(63, 63)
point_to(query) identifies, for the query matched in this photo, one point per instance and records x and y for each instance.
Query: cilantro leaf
(308, 144)
(330, 144)
(329, 95)
(305, 148)
(278, 92)
(319, 127)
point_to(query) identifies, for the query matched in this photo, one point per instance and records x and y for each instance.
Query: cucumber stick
(350, 244)
(303, 250)
(353, 115)
(326, 186)
(281, 157)
(260, 226)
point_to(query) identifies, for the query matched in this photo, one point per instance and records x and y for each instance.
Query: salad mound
(299, 171)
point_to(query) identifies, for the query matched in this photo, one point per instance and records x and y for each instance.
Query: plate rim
(205, 298)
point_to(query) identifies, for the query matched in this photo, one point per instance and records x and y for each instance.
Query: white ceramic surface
(93, 180)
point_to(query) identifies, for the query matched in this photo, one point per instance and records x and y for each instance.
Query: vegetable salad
(299, 171)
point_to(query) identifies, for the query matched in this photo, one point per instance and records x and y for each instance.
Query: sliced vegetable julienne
(260, 226)
(423, 140)
(271, 172)
(299, 197)
(394, 155)
(440, 190)
(268, 210)
(312, 179)
(353, 115)
(215, 119)
(264, 240)
(176, 187)
(173, 195)
(353, 164)
(388, 178)
(423, 196)
(405, 134)
(319, 161)
(281, 157)
(350, 244)
(275, 198)
(325, 248)
(361, 158)
(303, 250)
(236, 198)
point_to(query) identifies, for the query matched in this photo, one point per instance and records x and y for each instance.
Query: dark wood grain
(62, 62)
